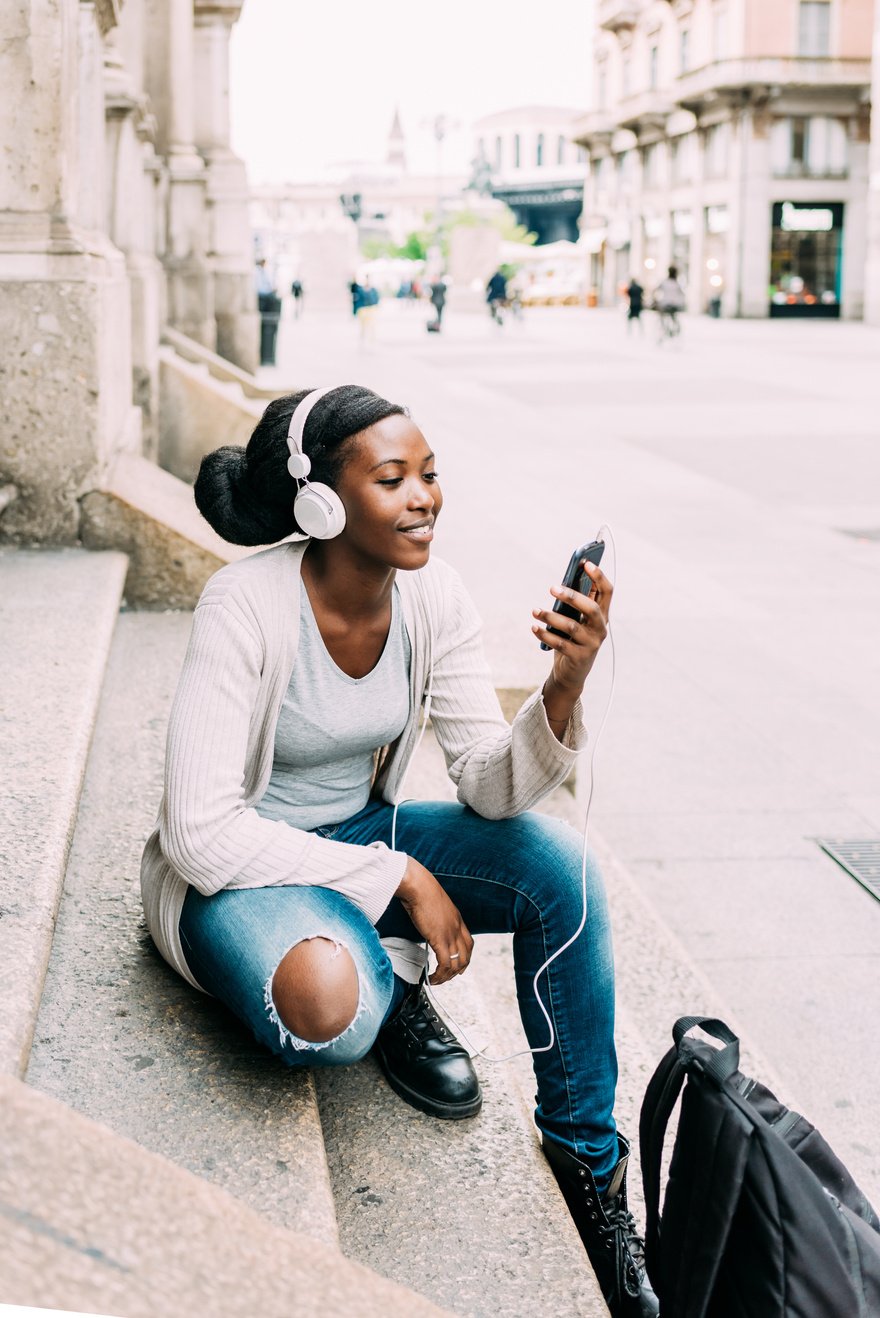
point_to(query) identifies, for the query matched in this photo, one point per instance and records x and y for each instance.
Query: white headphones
(318, 509)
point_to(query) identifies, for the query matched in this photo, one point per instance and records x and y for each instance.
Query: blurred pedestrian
(269, 306)
(438, 301)
(669, 300)
(496, 296)
(636, 295)
(357, 293)
(366, 312)
(298, 294)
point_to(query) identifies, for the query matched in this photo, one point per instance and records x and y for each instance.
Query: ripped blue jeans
(519, 876)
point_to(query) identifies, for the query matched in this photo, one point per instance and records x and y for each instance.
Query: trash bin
(715, 307)
(270, 314)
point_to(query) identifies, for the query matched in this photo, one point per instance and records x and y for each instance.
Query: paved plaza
(739, 470)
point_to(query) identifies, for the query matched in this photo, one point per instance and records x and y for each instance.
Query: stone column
(872, 268)
(132, 172)
(65, 355)
(190, 285)
(750, 229)
(230, 245)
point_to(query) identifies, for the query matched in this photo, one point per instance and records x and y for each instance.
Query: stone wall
(122, 210)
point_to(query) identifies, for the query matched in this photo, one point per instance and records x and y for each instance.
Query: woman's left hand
(575, 651)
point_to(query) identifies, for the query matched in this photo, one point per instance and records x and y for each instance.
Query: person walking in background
(496, 296)
(269, 306)
(438, 302)
(356, 293)
(669, 300)
(366, 311)
(297, 293)
(636, 295)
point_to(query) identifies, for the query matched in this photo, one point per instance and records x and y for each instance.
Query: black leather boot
(425, 1064)
(606, 1227)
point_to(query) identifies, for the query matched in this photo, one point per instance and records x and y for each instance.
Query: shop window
(497, 152)
(653, 67)
(805, 259)
(684, 41)
(814, 28)
(539, 150)
(560, 150)
(582, 155)
(516, 150)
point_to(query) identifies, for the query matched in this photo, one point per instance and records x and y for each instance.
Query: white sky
(315, 82)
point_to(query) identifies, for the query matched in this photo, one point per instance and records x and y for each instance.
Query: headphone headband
(299, 464)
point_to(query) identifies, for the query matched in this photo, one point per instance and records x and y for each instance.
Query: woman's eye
(391, 480)
(431, 476)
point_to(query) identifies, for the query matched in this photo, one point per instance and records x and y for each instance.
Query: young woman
(273, 879)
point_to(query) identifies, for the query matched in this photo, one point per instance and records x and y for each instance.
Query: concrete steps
(94, 1223)
(58, 609)
(152, 1059)
(466, 1214)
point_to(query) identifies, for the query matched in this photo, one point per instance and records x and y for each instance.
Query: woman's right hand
(437, 919)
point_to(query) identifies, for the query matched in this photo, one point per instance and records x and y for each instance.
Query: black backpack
(760, 1218)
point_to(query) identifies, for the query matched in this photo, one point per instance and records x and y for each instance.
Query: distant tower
(396, 149)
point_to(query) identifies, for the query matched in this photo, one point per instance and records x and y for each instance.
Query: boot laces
(621, 1220)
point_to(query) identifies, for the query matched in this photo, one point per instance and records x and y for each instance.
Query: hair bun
(222, 497)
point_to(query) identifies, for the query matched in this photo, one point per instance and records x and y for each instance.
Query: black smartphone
(576, 579)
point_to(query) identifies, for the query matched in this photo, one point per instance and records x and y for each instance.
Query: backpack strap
(660, 1098)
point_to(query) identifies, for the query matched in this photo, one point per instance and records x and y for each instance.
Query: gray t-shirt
(331, 726)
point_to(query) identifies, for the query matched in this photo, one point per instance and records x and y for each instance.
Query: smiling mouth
(421, 531)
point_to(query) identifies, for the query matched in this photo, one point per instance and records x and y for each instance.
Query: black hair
(247, 494)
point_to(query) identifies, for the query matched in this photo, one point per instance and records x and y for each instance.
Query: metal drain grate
(859, 857)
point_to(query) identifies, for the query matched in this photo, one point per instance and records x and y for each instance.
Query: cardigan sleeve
(499, 769)
(207, 832)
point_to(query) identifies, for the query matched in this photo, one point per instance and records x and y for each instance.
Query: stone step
(123, 1039)
(94, 1223)
(58, 609)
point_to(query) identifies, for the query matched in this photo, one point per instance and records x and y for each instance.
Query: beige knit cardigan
(221, 737)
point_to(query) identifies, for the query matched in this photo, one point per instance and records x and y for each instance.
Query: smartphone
(576, 579)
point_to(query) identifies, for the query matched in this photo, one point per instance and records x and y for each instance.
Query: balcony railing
(594, 128)
(649, 109)
(731, 76)
(617, 15)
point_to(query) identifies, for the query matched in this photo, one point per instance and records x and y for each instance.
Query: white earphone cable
(547, 1047)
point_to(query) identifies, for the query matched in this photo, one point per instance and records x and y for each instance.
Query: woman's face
(390, 493)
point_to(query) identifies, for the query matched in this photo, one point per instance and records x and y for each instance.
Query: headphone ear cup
(319, 511)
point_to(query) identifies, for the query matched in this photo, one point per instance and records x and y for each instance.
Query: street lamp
(351, 205)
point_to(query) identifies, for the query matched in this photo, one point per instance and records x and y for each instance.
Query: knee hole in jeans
(315, 989)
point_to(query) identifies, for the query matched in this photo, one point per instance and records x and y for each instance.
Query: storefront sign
(806, 219)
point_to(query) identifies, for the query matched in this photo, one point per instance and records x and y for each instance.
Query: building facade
(872, 271)
(731, 139)
(122, 210)
(526, 158)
